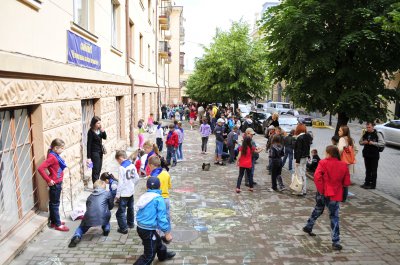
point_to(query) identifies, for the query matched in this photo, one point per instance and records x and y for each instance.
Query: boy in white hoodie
(152, 215)
(128, 177)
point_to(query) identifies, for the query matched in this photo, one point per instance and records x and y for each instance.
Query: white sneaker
(271, 190)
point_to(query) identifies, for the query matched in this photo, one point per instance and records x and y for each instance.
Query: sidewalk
(214, 225)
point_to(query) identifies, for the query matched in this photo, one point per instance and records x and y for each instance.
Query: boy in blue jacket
(152, 215)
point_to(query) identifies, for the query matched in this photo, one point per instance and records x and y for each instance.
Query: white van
(273, 106)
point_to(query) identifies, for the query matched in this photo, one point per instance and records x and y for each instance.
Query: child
(112, 182)
(205, 131)
(127, 179)
(140, 134)
(150, 149)
(98, 206)
(275, 157)
(159, 136)
(219, 141)
(135, 159)
(172, 143)
(312, 162)
(181, 137)
(192, 117)
(288, 143)
(55, 165)
(335, 140)
(165, 184)
(151, 216)
(232, 140)
(150, 123)
(244, 162)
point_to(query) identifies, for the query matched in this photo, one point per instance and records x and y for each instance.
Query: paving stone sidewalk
(214, 225)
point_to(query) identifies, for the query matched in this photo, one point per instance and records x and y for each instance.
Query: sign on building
(82, 52)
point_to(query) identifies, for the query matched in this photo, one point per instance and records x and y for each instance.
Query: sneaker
(221, 163)
(251, 189)
(337, 247)
(254, 183)
(54, 225)
(106, 233)
(271, 190)
(124, 232)
(169, 255)
(308, 231)
(237, 190)
(74, 241)
(282, 188)
(62, 228)
(165, 240)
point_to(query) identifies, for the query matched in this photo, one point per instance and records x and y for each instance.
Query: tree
(232, 68)
(333, 55)
(391, 20)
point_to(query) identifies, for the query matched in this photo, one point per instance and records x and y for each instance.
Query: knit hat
(153, 183)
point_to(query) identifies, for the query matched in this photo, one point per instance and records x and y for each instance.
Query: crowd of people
(234, 142)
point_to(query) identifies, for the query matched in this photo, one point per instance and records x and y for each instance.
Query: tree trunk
(342, 120)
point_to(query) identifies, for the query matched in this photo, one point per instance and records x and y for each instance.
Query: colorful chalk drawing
(184, 190)
(227, 225)
(211, 213)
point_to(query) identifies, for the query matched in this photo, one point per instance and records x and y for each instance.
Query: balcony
(167, 35)
(163, 17)
(163, 49)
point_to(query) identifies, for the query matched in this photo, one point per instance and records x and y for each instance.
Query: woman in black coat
(95, 136)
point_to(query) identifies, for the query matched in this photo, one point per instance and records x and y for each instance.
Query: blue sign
(82, 52)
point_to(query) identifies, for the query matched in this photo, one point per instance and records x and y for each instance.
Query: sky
(204, 16)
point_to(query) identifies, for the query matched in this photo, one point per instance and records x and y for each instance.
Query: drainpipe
(128, 73)
(156, 63)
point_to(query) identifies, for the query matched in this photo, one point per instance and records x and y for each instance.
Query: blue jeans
(213, 123)
(171, 154)
(333, 207)
(179, 152)
(54, 203)
(219, 148)
(82, 229)
(125, 220)
(288, 153)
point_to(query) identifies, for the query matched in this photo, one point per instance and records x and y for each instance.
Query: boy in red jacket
(172, 143)
(330, 177)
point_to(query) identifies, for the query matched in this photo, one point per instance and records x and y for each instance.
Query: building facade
(61, 63)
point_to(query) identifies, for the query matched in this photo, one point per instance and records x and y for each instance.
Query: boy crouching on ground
(151, 216)
(98, 206)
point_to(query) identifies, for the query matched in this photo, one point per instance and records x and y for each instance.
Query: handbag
(345, 193)
(103, 149)
(348, 155)
(297, 183)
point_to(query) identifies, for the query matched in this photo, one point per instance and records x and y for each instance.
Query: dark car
(258, 119)
(302, 116)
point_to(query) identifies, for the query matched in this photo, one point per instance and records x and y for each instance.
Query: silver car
(390, 132)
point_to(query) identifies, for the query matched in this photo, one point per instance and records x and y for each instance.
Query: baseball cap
(221, 120)
(250, 130)
(153, 183)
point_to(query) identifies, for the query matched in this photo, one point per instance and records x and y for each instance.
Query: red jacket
(330, 177)
(173, 140)
(52, 165)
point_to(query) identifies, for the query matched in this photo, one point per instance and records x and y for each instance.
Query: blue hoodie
(152, 212)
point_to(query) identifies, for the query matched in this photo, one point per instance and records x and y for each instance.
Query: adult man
(164, 112)
(372, 142)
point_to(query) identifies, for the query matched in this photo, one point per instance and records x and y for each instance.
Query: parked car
(244, 110)
(258, 119)
(390, 132)
(273, 106)
(302, 116)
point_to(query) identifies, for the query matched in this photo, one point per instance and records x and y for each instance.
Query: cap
(221, 120)
(271, 127)
(250, 130)
(153, 183)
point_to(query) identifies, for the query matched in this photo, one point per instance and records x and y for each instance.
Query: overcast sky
(204, 16)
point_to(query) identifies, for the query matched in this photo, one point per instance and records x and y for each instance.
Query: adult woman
(150, 149)
(301, 153)
(273, 120)
(95, 136)
(345, 141)
(330, 177)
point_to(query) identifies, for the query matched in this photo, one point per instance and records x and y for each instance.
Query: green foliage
(391, 21)
(231, 70)
(333, 55)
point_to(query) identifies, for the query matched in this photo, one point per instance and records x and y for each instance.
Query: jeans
(179, 152)
(288, 153)
(213, 122)
(371, 168)
(54, 203)
(204, 141)
(241, 174)
(97, 159)
(164, 115)
(333, 207)
(231, 153)
(246, 177)
(152, 245)
(159, 142)
(219, 148)
(171, 154)
(276, 171)
(125, 220)
(81, 230)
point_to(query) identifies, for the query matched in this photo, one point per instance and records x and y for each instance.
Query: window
(148, 57)
(81, 13)
(132, 38)
(149, 10)
(141, 49)
(115, 23)
(393, 124)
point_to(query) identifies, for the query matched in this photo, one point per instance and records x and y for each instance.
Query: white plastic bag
(297, 183)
